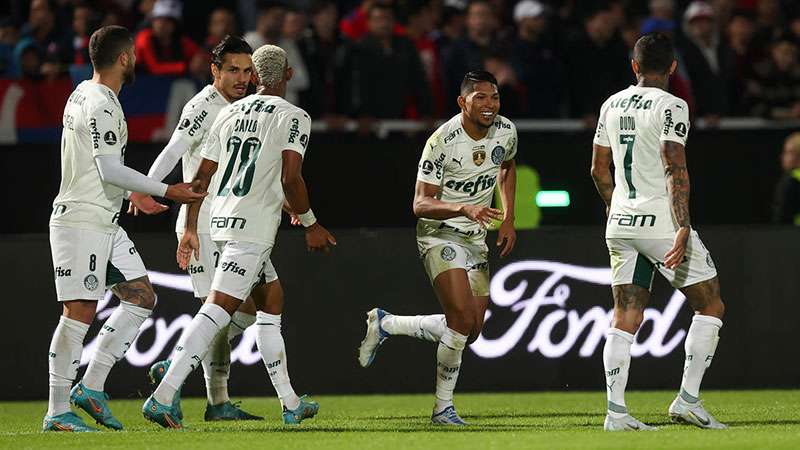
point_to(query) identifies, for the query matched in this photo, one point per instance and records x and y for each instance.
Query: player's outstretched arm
(112, 171)
(296, 194)
(507, 180)
(427, 205)
(189, 243)
(601, 173)
(162, 166)
(673, 155)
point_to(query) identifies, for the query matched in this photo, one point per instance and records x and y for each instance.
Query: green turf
(758, 419)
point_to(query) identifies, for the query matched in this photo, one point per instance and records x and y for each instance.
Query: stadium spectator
(9, 36)
(536, 62)
(769, 25)
(220, 24)
(40, 33)
(84, 22)
(470, 52)
(421, 21)
(162, 50)
(786, 204)
(387, 79)
(774, 91)
(326, 54)
(740, 40)
(452, 24)
(709, 62)
(27, 61)
(597, 64)
(662, 10)
(679, 84)
(269, 30)
(355, 25)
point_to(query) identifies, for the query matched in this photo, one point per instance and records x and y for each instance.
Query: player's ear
(214, 70)
(673, 67)
(289, 73)
(462, 102)
(635, 66)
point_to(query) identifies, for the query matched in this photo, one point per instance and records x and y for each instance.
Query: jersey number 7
(628, 140)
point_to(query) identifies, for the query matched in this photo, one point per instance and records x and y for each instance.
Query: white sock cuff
(454, 339)
(74, 325)
(138, 311)
(707, 319)
(242, 320)
(623, 334)
(268, 319)
(216, 313)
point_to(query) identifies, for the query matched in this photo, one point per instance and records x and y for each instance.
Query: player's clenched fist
(182, 193)
(318, 238)
(481, 214)
(189, 245)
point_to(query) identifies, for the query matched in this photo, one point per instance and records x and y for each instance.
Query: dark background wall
(327, 296)
(368, 182)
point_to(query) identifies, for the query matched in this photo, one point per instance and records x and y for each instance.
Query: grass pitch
(758, 419)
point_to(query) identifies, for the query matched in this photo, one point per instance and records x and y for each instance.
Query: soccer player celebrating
(460, 165)
(90, 251)
(644, 129)
(232, 67)
(259, 142)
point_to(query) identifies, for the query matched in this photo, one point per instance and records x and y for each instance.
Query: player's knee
(714, 308)
(461, 322)
(628, 321)
(147, 299)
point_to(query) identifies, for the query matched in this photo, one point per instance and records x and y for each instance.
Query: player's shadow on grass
(411, 428)
(744, 423)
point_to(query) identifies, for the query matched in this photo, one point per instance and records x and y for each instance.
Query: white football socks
(448, 365)
(116, 336)
(701, 343)
(63, 361)
(191, 349)
(217, 363)
(273, 351)
(617, 362)
(428, 328)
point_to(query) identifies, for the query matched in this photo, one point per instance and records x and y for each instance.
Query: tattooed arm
(601, 173)
(673, 155)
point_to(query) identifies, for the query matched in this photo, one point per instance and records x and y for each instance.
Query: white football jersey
(196, 119)
(247, 140)
(634, 122)
(465, 169)
(93, 125)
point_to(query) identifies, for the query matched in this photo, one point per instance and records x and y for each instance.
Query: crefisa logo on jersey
(197, 122)
(498, 154)
(294, 130)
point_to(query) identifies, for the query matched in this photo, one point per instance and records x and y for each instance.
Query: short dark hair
(654, 53)
(106, 44)
(229, 44)
(474, 77)
(380, 7)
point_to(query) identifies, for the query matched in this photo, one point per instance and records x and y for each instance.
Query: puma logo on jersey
(458, 161)
(108, 112)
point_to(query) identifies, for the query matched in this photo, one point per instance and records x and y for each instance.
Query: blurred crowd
(376, 59)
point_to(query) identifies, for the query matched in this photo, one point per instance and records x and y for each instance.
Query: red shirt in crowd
(165, 63)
